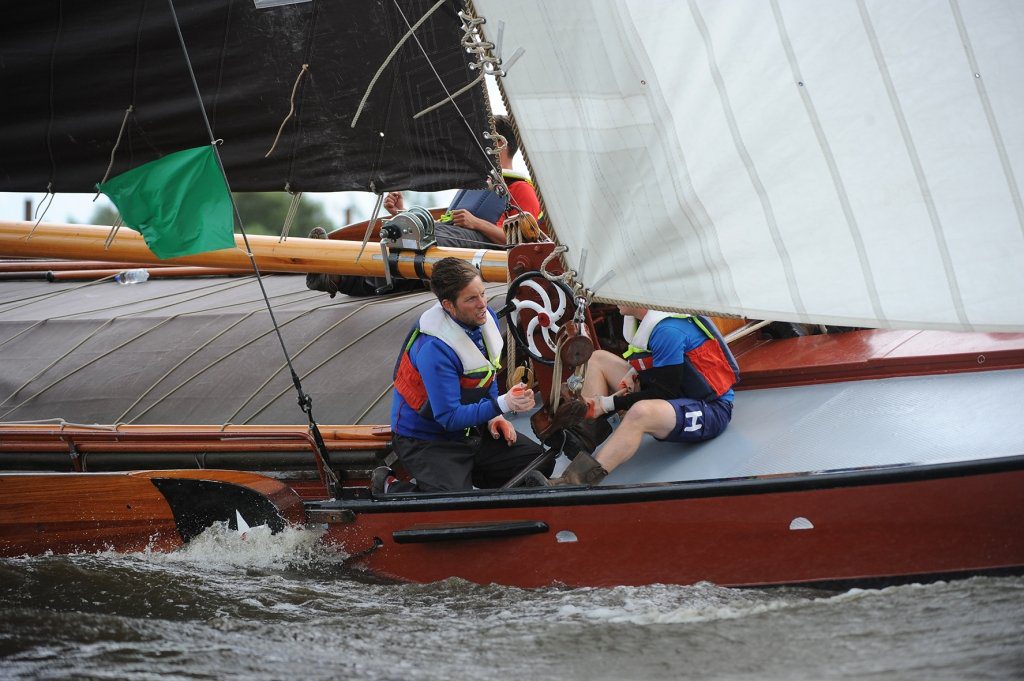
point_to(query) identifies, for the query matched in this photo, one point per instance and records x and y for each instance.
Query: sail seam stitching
(766, 206)
(915, 161)
(833, 168)
(690, 203)
(990, 115)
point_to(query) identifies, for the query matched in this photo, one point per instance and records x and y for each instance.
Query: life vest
(511, 177)
(478, 372)
(486, 204)
(709, 370)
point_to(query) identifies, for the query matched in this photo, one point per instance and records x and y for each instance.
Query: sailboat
(757, 161)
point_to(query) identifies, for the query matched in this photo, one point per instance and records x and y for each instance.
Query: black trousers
(477, 461)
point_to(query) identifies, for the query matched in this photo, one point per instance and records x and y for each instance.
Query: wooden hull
(145, 510)
(884, 523)
(890, 524)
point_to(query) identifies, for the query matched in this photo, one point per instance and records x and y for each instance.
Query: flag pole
(305, 401)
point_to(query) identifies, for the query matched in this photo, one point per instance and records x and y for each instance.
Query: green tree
(264, 213)
(103, 214)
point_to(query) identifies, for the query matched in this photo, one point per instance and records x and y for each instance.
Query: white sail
(853, 162)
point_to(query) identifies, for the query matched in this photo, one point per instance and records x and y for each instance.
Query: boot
(316, 281)
(583, 470)
(590, 434)
(381, 479)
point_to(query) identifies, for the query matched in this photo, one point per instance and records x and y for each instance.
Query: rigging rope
(117, 143)
(304, 400)
(223, 357)
(114, 228)
(297, 353)
(48, 200)
(375, 402)
(206, 291)
(336, 353)
(387, 60)
(90, 362)
(242, 346)
(293, 209)
(369, 225)
(180, 362)
(291, 111)
(465, 88)
(49, 294)
(100, 328)
(495, 173)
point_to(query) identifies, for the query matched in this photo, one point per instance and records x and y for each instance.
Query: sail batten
(853, 162)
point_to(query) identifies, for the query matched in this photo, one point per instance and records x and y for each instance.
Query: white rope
(387, 60)
(450, 97)
(488, 60)
(63, 424)
(556, 375)
(289, 218)
(746, 330)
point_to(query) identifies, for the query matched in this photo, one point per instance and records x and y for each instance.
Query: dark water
(281, 608)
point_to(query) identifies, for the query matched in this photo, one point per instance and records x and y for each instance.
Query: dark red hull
(857, 526)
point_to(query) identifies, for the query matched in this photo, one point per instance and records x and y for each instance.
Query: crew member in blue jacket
(446, 415)
(675, 382)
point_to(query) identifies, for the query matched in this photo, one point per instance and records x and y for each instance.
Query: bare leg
(656, 417)
(604, 371)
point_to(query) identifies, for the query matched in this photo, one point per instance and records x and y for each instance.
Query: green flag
(179, 203)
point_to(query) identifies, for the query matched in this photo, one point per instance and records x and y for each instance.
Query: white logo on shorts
(693, 416)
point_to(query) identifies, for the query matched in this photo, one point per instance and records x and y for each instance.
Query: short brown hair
(503, 126)
(450, 276)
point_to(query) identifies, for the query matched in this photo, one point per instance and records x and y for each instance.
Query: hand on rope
(628, 383)
(519, 398)
(601, 405)
(522, 374)
(394, 203)
(500, 427)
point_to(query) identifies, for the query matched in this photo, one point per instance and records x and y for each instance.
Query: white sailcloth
(852, 162)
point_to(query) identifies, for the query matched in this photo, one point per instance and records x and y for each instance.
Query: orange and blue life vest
(709, 369)
(477, 370)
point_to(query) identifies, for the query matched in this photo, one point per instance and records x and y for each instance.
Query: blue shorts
(697, 420)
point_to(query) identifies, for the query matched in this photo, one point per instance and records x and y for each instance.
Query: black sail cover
(69, 70)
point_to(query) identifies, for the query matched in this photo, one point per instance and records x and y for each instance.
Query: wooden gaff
(56, 240)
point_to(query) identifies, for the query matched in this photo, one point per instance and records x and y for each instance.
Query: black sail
(70, 70)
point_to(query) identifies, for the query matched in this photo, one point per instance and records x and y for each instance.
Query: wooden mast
(56, 240)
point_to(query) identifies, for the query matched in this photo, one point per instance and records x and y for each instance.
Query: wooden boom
(55, 240)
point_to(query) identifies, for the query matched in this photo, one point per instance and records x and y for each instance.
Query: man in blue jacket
(446, 415)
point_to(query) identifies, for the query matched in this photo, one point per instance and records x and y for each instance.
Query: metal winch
(412, 229)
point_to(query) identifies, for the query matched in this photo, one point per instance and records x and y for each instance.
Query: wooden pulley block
(576, 349)
(527, 226)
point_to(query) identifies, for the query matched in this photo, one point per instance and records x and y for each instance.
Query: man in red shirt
(522, 198)
(458, 228)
